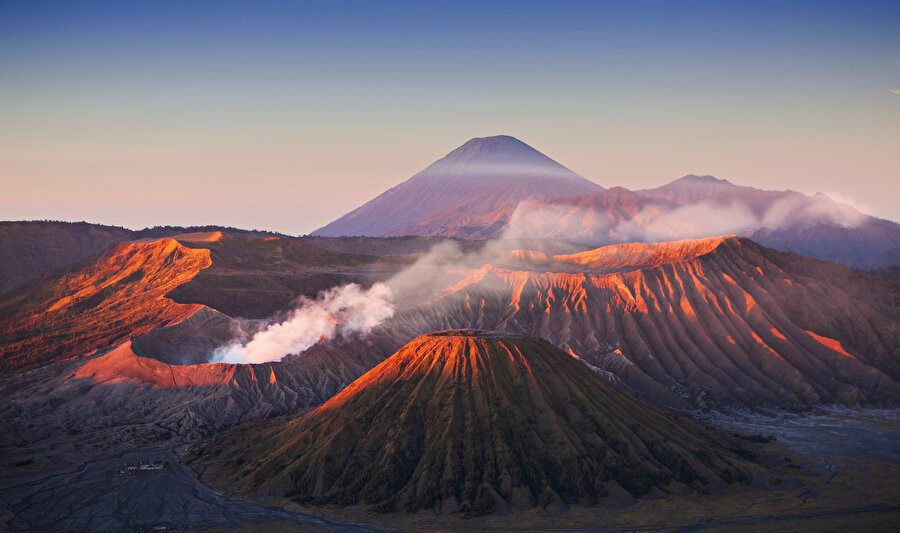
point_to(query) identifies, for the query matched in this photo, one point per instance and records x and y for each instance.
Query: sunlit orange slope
(122, 365)
(691, 323)
(118, 296)
(639, 255)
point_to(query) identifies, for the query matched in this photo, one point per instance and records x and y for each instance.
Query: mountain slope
(473, 421)
(136, 287)
(713, 322)
(119, 296)
(479, 177)
(255, 278)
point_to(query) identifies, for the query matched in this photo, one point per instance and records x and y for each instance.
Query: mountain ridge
(460, 196)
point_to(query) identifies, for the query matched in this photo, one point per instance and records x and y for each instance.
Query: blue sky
(285, 115)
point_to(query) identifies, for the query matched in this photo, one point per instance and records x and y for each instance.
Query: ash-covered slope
(711, 322)
(473, 421)
(479, 177)
(121, 400)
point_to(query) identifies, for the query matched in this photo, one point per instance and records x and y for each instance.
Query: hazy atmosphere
(280, 116)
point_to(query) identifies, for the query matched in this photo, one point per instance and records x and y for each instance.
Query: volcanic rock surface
(688, 324)
(119, 296)
(474, 421)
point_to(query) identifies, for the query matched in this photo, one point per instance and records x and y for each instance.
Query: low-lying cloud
(659, 221)
(341, 310)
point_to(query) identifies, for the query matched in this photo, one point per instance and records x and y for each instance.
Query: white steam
(340, 310)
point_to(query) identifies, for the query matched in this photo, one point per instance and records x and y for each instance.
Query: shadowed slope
(28, 249)
(254, 278)
(473, 421)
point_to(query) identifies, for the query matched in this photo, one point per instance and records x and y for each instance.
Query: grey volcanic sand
(872, 433)
(95, 497)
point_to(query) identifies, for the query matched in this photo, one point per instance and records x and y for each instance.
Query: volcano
(687, 324)
(474, 421)
(478, 178)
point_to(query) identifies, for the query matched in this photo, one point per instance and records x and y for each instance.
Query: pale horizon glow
(284, 116)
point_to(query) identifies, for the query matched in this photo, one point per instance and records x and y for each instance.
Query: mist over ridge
(498, 187)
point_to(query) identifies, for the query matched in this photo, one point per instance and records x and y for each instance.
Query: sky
(285, 115)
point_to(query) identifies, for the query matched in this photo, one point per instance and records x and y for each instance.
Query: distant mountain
(478, 422)
(814, 226)
(478, 178)
(687, 208)
(703, 206)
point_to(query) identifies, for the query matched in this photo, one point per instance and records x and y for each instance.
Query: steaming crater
(340, 310)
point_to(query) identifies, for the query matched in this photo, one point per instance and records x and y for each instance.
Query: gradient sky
(285, 115)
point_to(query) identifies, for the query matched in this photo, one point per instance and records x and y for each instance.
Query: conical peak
(541, 425)
(496, 142)
(464, 354)
(476, 341)
(472, 346)
(500, 155)
(499, 146)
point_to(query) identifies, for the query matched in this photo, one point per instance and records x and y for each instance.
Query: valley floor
(847, 463)
(59, 493)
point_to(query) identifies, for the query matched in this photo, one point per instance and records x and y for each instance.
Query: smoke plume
(340, 310)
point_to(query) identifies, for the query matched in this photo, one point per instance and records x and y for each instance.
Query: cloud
(657, 223)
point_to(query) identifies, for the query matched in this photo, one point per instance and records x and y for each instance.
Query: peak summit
(500, 155)
(493, 145)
